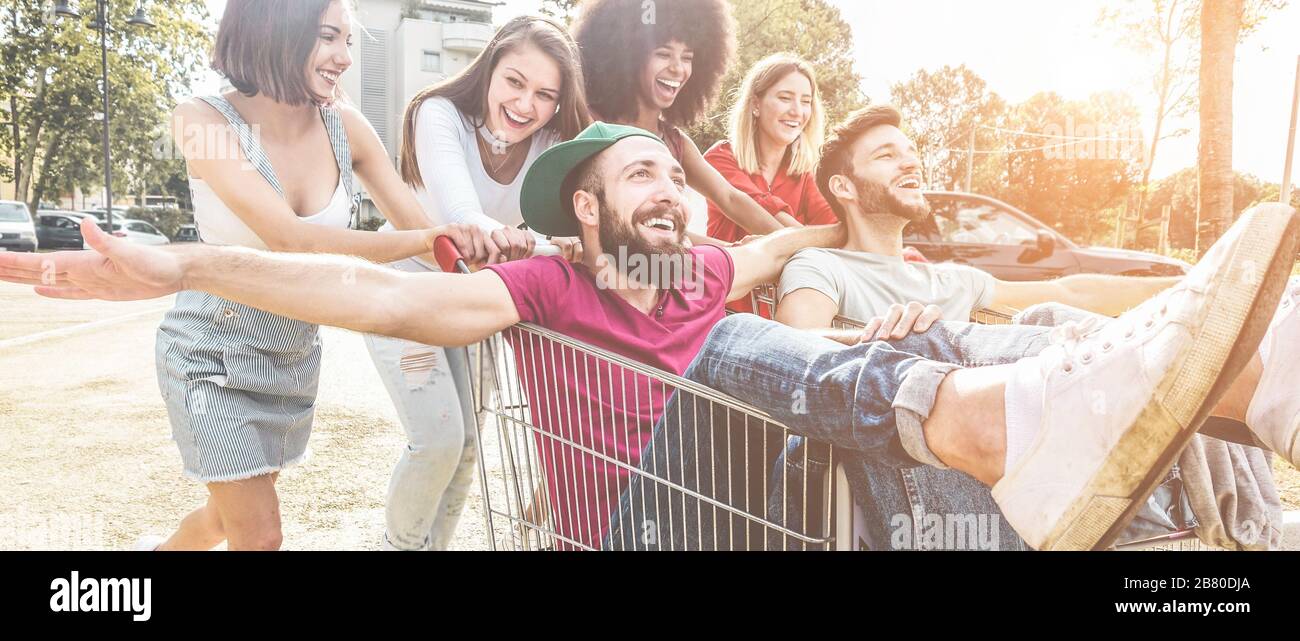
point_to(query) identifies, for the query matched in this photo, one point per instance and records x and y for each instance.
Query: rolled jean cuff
(913, 404)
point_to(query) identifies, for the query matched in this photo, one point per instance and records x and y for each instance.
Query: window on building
(432, 62)
(445, 15)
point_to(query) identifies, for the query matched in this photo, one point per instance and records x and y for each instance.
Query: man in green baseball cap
(620, 190)
(547, 195)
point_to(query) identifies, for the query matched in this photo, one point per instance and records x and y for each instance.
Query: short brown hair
(837, 156)
(264, 46)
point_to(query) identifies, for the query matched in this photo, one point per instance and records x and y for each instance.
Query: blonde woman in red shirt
(777, 126)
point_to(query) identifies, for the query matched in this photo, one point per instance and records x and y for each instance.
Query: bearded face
(652, 231)
(876, 197)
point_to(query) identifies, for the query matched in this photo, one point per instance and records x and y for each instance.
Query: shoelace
(1076, 337)
(1072, 336)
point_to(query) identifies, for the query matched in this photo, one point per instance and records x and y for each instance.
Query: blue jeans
(867, 400)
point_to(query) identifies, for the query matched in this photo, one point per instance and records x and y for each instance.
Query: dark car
(989, 234)
(187, 234)
(59, 229)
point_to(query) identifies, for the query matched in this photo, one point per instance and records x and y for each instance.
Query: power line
(1059, 137)
(1007, 151)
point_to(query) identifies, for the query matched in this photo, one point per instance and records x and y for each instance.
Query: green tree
(1178, 191)
(52, 71)
(563, 10)
(812, 29)
(941, 111)
(1080, 185)
(1167, 29)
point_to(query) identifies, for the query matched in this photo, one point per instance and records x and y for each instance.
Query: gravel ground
(89, 461)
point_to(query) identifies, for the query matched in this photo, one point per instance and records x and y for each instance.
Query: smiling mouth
(331, 77)
(669, 86)
(515, 120)
(793, 124)
(660, 223)
(909, 182)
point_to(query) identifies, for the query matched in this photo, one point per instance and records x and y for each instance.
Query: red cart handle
(448, 256)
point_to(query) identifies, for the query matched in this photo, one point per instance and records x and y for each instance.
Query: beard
(623, 244)
(874, 197)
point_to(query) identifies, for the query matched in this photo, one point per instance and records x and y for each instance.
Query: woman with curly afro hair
(656, 64)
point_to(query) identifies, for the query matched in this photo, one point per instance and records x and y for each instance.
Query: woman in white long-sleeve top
(467, 144)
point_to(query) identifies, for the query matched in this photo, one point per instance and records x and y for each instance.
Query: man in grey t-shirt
(871, 178)
(874, 186)
(864, 285)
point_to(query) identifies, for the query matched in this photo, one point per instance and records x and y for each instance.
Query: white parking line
(62, 332)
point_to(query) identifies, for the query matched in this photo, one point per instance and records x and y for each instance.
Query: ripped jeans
(430, 387)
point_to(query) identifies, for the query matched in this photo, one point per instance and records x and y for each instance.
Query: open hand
(900, 321)
(112, 269)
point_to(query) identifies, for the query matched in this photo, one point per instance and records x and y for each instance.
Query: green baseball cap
(546, 208)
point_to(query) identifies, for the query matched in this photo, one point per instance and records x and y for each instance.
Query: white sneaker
(1119, 403)
(1274, 414)
(148, 543)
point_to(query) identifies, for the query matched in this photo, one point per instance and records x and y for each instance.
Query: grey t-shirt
(865, 285)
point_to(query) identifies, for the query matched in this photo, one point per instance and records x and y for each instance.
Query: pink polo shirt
(579, 403)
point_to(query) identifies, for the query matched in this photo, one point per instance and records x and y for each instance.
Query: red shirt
(795, 195)
(593, 403)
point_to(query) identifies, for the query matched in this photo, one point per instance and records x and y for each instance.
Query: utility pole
(13, 121)
(970, 158)
(1285, 195)
(1165, 215)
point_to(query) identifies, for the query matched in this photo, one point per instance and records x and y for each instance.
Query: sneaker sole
(1237, 320)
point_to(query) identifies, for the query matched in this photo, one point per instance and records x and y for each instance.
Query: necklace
(499, 153)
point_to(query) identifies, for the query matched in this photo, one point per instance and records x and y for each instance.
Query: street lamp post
(100, 22)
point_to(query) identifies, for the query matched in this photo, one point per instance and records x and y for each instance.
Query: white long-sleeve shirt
(457, 188)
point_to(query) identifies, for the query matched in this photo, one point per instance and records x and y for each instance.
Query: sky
(1022, 47)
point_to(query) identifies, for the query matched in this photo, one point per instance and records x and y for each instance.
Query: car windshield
(14, 213)
(962, 221)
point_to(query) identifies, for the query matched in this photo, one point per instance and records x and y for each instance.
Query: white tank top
(219, 225)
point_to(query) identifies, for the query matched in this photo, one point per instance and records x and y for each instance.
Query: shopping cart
(565, 424)
(560, 455)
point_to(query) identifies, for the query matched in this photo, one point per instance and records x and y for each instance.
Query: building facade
(402, 47)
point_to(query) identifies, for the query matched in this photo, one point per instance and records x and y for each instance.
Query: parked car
(1012, 245)
(59, 229)
(102, 213)
(17, 232)
(136, 231)
(187, 234)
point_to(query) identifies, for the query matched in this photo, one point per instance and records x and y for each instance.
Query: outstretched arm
(435, 308)
(1101, 294)
(760, 261)
(742, 209)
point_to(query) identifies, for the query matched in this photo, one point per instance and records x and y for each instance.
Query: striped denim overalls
(240, 383)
